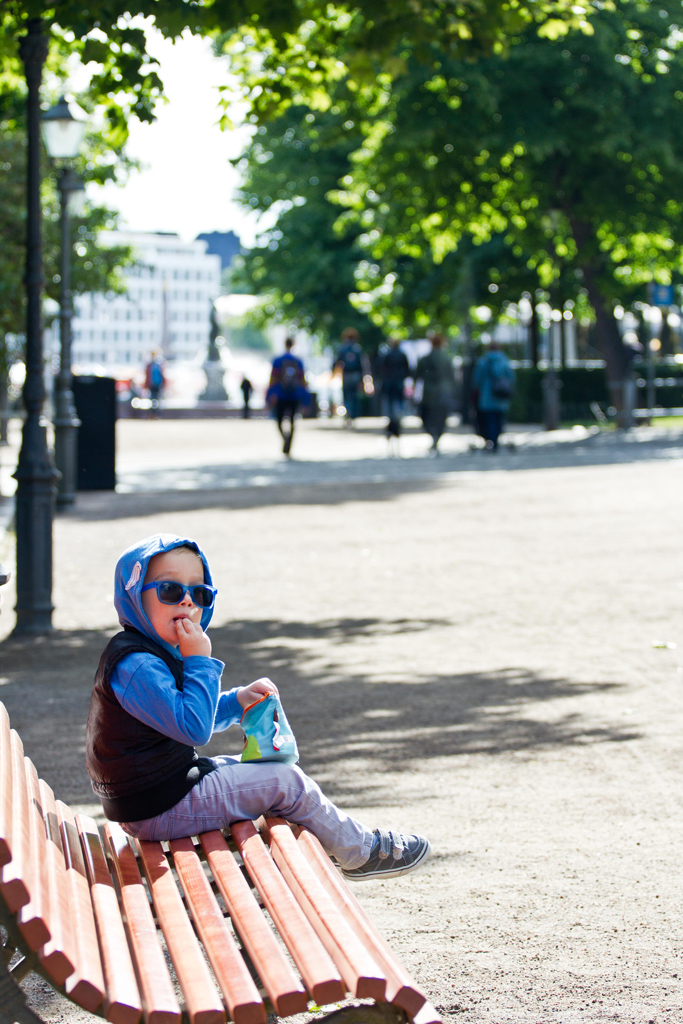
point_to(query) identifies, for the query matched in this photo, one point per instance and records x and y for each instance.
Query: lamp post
(35, 474)
(63, 134)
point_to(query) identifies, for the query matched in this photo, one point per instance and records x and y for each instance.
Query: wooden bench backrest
(36, 881)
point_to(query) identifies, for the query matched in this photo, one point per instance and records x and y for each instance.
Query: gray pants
(238, 792)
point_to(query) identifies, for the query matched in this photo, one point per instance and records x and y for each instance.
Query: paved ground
(480, 647)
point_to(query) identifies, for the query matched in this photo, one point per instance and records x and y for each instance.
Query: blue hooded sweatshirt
(163, 696)
(489, 367)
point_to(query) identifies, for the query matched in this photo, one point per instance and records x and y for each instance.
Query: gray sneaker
(392, 854)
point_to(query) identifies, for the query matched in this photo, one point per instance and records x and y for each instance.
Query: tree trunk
(533, 331)
(608, 338)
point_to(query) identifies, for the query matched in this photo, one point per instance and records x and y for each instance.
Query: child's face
(181, 566)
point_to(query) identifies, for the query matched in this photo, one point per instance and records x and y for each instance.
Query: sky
(187, 184)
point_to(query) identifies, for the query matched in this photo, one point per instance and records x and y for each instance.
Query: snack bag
(267, 735)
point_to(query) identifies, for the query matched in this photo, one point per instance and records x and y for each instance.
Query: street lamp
(35, 474)
(63, 134)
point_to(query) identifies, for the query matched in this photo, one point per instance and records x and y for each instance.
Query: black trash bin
(95, 401)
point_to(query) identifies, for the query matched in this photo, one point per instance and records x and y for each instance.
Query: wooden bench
(178, 932)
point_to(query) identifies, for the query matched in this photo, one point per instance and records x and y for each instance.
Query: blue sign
(661, 294)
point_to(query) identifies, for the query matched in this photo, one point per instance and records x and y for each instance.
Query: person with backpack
(393, 368)
(155, 381)
(355, 371)
(286, 390)
(493, 384)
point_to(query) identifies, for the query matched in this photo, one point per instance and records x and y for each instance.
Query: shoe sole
(391, 872)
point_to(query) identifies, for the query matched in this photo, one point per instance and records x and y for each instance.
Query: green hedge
(668, 397)
(580, 387)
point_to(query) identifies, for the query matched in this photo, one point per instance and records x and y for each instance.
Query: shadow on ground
(335, 482)
(339, 720)
(96, 506)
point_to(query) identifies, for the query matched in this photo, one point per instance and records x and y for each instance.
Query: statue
(213, 367)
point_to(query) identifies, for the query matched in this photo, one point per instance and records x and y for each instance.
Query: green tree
(569, 149)
(286, 55)
(93, 268)
(327, 270)
(296, 49)
(311, 37)
(303, 262)
(321, 272)
(310, 45)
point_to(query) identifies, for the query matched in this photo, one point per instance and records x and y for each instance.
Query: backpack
(289, 375)
(501, 384)
(352, 361)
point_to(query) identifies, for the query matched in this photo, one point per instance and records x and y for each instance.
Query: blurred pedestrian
(493, 384)
(435, 372)
(246, 387)
(286, 390)
(353, 364)
(155, 381)
(393, 368)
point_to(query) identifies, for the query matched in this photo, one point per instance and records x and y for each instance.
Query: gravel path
(482, 649)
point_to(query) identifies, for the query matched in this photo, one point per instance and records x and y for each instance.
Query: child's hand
(247, 695)
(192, 639)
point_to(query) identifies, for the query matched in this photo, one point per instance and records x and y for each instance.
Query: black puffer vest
(136, 771)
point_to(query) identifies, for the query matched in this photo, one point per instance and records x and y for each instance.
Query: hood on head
(129, 580)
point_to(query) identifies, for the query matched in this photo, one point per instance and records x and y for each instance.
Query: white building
(166, 308)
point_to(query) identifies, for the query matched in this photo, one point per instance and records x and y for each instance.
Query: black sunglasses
(170, 592)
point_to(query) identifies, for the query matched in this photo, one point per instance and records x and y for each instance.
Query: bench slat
(320, 976)
(401, 989)
(15, 876)
(32, 917)
(201, 996)
(244, 1003)
(360, 971)
(158, 996)
(122, 1000)
(86, 984)
(428, 1014)
(25, 875)
(57, 955)
(284, 989)
(5, 788)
